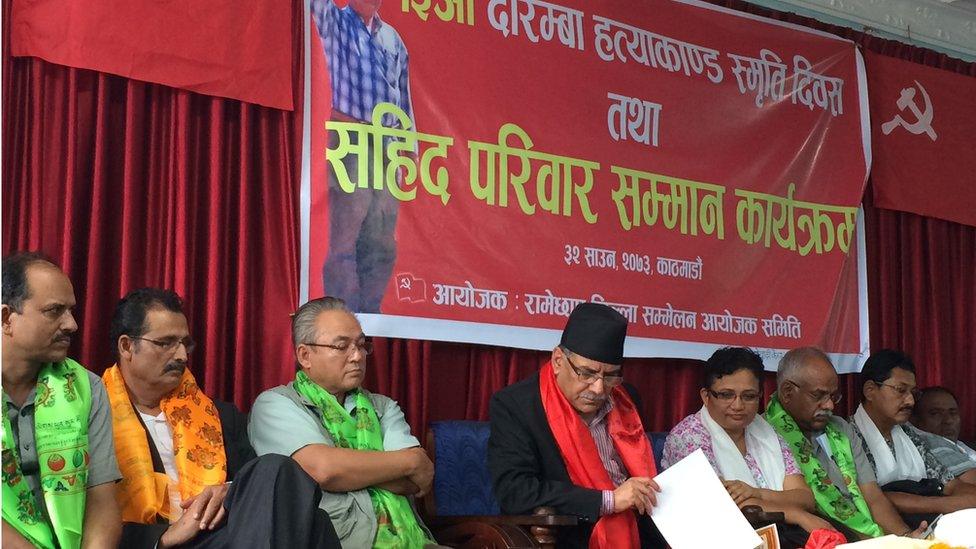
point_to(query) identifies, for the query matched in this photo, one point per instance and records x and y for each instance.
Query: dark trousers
(791, 536)
(272, 503)
(650, 536)
(362, 247)
(926, 487)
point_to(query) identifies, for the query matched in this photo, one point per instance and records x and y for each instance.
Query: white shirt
(967, 450)
(162, 437)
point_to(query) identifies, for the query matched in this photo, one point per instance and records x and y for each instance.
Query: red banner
(922, 135)
(238, 50)
(478, 168)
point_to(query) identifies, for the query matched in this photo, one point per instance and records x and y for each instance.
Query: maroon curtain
(130, 184)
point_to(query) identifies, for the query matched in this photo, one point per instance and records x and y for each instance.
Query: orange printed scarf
(583, 460)
(198, 446)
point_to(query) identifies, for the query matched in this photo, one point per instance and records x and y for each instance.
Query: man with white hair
(355, 443)
(839, 474)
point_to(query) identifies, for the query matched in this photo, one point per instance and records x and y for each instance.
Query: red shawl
(583, 460)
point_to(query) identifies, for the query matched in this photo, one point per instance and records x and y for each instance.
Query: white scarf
(762, 443)
(907, 466)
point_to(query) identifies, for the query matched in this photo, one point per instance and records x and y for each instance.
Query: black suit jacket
(237, 449)
(526, 467)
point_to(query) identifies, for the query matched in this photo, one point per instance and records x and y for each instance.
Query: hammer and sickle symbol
(405, 283)
(923, 118)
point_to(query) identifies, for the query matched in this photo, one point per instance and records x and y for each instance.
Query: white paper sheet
(693, 509)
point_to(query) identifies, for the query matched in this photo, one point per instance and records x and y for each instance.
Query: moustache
(592, 396)
(62, 338)
(905, 409)
(175, 367)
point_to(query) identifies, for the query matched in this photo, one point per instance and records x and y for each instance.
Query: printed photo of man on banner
(367, 64)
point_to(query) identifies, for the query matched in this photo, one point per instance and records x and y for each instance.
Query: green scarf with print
(61, 409)
(830, 500)
(397, 526)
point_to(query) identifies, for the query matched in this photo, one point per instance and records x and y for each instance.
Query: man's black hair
(15, 288)
(880, 364)
(130, 314)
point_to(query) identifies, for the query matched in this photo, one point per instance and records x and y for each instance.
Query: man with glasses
(919, 485)
(570, 438)
(755, 463)
(839, 473)
(59, 468)
(178, 449)
(356, 444)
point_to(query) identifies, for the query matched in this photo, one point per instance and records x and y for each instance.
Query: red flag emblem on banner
(922, 116)
(410, 288)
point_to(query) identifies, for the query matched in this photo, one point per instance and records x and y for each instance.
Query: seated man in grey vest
(59, 467)
(354, 443)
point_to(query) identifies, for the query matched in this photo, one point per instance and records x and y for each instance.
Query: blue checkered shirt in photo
(367, 66)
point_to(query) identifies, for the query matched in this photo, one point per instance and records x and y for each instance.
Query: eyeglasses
(589, 377)
(748, 397)
(902, 390)
(821, 396)
(365, 347)
(170, 344)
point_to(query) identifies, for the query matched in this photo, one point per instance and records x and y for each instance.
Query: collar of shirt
(28, 402)
(348, 403)
(375, 25)
(601, 414)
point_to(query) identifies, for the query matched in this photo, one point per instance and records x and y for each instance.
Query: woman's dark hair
(729, 360)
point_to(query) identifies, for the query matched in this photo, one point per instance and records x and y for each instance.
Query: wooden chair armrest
(480, 535)
(502, 531)
(758, 518)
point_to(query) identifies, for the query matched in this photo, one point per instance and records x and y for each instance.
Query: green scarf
(61, 409)
(829, 498)
(397, 524)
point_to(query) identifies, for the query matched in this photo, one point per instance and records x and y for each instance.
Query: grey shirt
(101, 446)
(946, 452)
(283, 422)
(862, 465)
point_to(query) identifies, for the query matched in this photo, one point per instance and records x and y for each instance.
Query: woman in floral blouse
(755, 464)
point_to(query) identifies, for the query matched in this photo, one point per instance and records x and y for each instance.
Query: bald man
(839, 473)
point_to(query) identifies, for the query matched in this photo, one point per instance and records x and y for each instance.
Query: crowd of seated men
(142, 457)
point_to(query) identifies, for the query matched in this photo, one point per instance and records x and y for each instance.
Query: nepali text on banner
(479, 168)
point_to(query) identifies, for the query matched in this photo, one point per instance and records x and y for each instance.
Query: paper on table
(693, 509)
